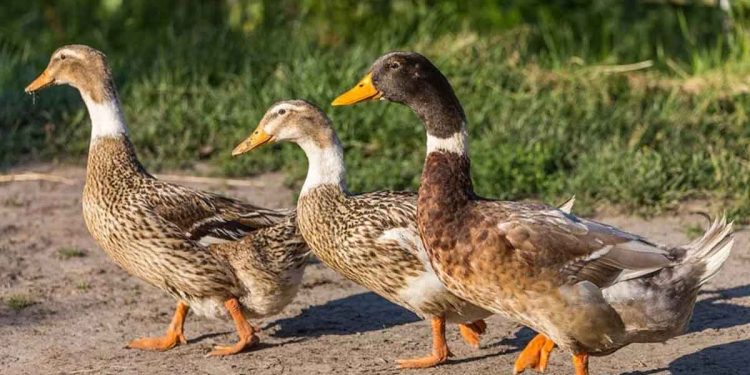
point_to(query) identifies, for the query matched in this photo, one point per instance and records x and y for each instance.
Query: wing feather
(207, 217)
(580, 249)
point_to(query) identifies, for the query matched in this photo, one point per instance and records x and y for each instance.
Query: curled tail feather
(712, 249)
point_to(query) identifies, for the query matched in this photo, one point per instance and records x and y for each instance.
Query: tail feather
(657, 306)
(712, 249)
(567, 206)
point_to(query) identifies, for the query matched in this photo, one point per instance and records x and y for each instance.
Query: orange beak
(255, 140)
(363, 91)
(44, 80)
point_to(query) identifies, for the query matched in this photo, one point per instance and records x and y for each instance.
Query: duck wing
(207, 217)
(578, 249)
(388, 218)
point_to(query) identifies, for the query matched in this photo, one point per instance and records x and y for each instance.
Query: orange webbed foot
(471, 332)
(173, 337)
(242, 344)
(535, 355)
(244, 330)
(440, 351)
(161, 344)
(432, 360)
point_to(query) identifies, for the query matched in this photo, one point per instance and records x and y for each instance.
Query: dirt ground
(82, 309)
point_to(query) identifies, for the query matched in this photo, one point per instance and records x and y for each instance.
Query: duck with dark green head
(587, 287)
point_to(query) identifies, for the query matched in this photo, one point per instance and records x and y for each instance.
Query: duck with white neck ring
(587, 287)
(370, 238)
(209, 252)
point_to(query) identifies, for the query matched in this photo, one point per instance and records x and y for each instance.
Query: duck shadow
(514, 344)
(725, 359)
(729, 358)
(356, 313)
(717, 311)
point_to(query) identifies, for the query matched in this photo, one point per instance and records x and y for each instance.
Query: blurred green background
(642, 104)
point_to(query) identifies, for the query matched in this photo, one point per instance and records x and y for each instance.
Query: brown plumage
(587, 287)
(207, 251)
(370, 238)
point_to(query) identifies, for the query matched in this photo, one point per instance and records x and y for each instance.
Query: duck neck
(112, 156)
(105, 113)
(447, 169)
(325, 164)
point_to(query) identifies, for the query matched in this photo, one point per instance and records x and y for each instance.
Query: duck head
(402, 77)
(296, 121)
(79, 66)
(303, 123)
(410, 79)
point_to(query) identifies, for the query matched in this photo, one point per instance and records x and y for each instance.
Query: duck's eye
(282, 112)
(394, 65)
(62, 57)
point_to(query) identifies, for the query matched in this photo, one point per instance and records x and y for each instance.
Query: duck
(369, 238)
(213, 254)
(584, 286)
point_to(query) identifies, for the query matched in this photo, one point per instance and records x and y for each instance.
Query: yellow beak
(255, 140)
(363, 91)
(44, 80)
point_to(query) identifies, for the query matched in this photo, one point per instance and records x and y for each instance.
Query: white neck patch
(325, 165)
(106, 118)
(456, 143)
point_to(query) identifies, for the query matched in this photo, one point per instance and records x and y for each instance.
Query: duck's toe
(440, 351)
(535, 355)
(429, 361)
(172, 338)
(243, 344)
(161, 344)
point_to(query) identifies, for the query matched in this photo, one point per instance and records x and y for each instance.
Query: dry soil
(82, 309)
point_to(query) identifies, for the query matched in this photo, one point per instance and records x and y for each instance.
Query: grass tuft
(83, 286)
(14, 202)
(69, 252)
(18, 302)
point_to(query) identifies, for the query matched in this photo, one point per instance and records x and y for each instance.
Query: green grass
(693, 231)
(66, 253)
(14, 202)
(18, 302)
(546, 119)
(83, 286)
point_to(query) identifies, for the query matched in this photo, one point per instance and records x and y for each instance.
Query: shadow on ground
(724, 359)
(717, 311)
(357, 313)
(729, 358)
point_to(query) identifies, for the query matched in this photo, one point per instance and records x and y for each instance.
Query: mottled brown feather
(144, 225)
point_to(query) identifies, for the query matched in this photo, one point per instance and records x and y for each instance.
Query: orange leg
(472, 331)
(440, 350)
(581, 363)
(535, 355)
(544, 357)
(244, 330)
(173, 337)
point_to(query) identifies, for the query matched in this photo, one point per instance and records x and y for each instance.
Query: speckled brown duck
(371, 238)
(209, 252)
(585, 286)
